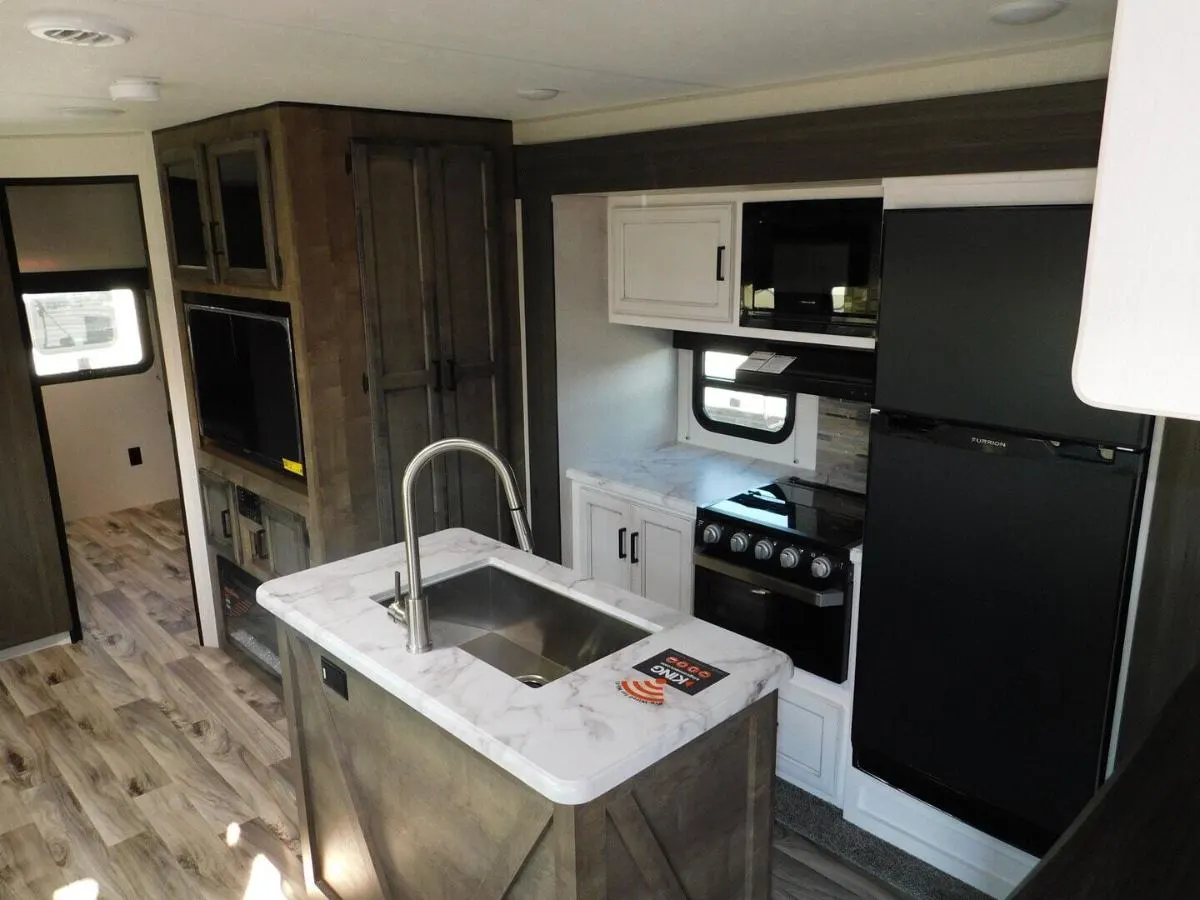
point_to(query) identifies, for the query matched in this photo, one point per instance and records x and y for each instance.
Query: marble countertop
(573, 739)
(683, 477)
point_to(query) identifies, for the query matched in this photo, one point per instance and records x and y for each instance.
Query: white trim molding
(1061, 186)
(54, 640)
(929, 834)
(1135, 591)
(1057, 63)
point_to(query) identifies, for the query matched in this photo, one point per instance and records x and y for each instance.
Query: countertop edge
(557, 790)
(371, 663)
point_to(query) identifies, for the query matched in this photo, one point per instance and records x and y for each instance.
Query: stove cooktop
(799, 510)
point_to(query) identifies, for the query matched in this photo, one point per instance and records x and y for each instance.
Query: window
(88, 334)
(721, 407)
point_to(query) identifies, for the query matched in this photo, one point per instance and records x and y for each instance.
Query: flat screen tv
(244, 375)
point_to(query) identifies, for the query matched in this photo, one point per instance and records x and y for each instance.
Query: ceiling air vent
(78, 30)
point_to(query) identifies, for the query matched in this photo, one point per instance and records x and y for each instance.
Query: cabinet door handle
(720, 264)
(633, 548)
(260, 544)
(451, 375)
(217, 249)
(621, 542)
(437, 377)
(226, 524)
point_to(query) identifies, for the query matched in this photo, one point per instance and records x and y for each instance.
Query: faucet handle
(396, 608)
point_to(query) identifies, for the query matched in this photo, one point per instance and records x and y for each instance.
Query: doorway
(82, 276)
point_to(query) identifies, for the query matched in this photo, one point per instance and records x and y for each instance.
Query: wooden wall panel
(1166, 636)
(338, 425)
(36, 591)
(1050, 127)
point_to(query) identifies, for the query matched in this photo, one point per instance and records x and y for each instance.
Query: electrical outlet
(334, 677)
(135, 456)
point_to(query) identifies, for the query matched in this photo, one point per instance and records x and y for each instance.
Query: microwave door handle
(721, 263)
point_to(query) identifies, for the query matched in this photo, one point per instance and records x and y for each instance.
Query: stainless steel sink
(529, 632)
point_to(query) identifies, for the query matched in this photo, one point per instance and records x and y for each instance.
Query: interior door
(391, 187)
(661, 554)
(465, 231)
(602, 530)
(36, 591)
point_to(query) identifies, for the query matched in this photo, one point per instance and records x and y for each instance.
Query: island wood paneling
(1054, 127)
(403, 809)
(37, 595)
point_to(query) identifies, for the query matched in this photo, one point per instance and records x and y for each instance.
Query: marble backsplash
(843, 431)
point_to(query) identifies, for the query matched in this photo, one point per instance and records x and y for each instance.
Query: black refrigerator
(1000, 524)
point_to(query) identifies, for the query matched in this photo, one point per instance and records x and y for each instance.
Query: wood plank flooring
(138, 760)
(138, 765)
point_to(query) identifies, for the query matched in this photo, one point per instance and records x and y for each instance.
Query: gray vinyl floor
(139, 765)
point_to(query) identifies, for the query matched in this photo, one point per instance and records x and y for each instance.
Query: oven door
(810, 626)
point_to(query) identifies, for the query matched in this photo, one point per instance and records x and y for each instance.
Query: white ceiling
(469, 57)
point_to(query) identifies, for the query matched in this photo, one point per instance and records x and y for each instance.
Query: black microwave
(812, 265)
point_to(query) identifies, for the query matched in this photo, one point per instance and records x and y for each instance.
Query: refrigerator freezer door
(993, 592)
(978, 319)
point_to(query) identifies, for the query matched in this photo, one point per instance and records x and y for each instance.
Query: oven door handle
(798, 592)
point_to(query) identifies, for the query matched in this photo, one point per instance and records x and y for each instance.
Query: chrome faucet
(413, 609)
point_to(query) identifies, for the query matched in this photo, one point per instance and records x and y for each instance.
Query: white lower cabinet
(633, 546)
(811, 732)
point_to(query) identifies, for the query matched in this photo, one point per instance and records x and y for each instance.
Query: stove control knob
(789, 557)
(739, 542)
(822, 567)
(711, 534)
(764, 550)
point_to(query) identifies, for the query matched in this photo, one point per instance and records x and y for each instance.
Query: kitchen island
(645, 773)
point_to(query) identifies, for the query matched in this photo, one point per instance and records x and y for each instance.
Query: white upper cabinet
(671, 262)
(1137, 348)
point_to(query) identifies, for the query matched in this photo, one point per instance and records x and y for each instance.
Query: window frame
(700, 381)
(135, 280)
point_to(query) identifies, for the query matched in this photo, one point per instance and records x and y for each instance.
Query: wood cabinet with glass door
(183, 177)
(220, 212)
(239, 173)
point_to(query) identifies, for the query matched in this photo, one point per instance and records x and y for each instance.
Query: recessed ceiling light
(91, 112)
(1027, 12)
(538, 93)
(141, 90)
(78, 30)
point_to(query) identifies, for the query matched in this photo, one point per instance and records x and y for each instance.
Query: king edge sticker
(682, 672)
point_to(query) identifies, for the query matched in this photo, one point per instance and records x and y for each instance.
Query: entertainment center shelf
(275, 215)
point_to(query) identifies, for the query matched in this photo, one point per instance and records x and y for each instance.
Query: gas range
(789, 529)
(773, 564)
